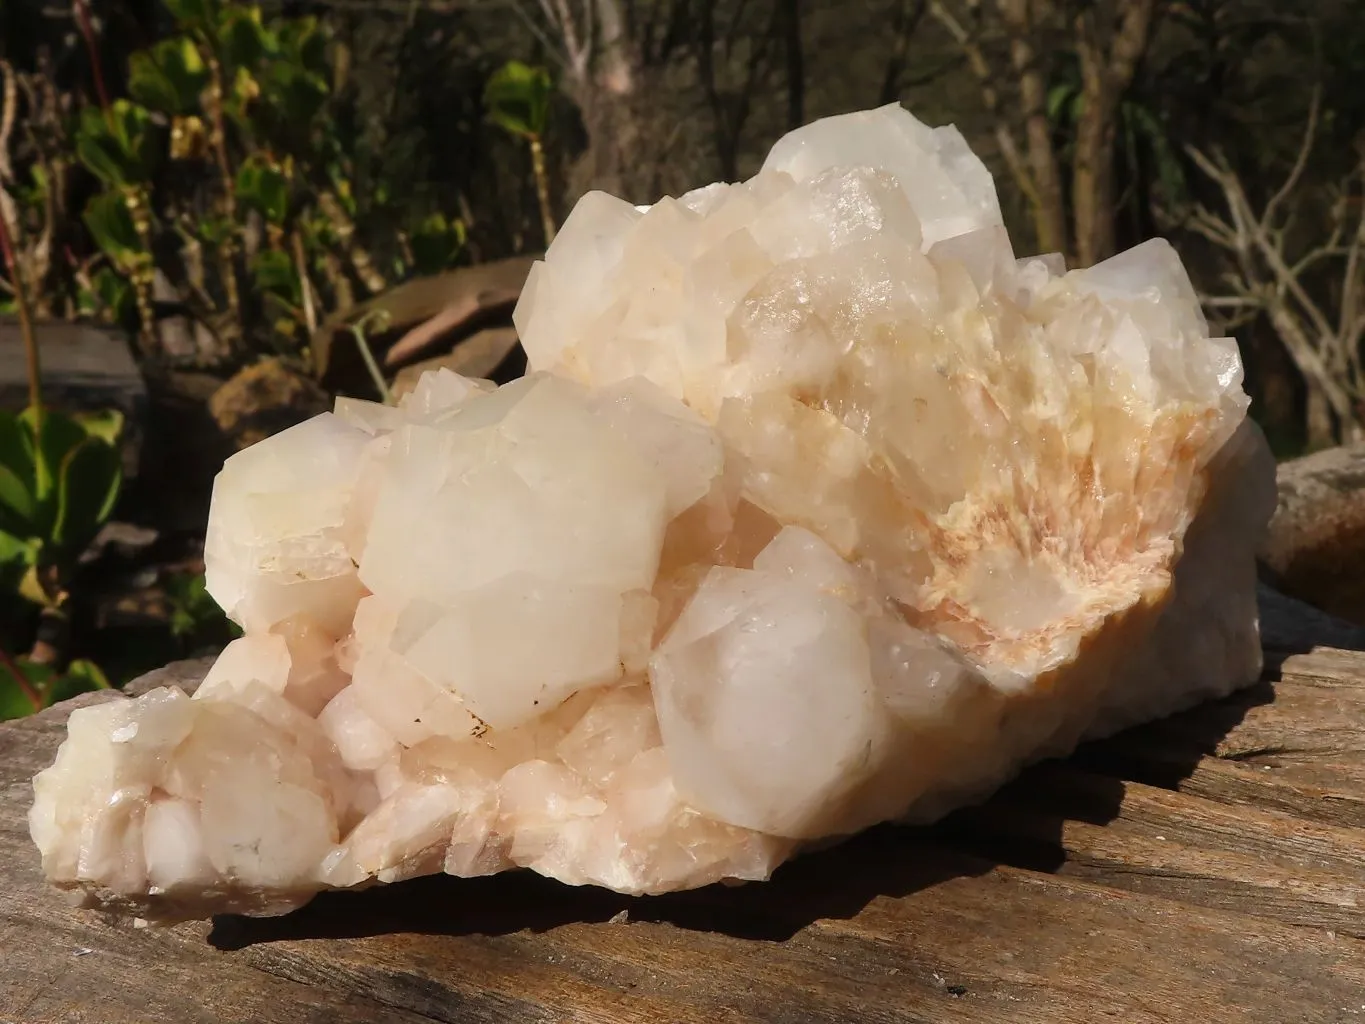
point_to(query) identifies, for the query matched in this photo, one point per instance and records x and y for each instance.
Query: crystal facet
(818, 509)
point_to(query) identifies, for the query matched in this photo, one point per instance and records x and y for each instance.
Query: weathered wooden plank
(1294, 741)
(1143, 839)
(1332, 793)
(886, 928)
(73, 972)
(1194, 894)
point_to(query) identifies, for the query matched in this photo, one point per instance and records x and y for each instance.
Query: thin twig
(986, 76)
(380, 317)
(9, 111)
(544, 40)
(542, 176)
(310, 316)
(25, 684)
(1310, 133)
(35, 381)
(92, 48)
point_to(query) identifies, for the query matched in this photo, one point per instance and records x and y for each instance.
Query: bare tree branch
(1310, 133)
(1325, 348)
(990, 97)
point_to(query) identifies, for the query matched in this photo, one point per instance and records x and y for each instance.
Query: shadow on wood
(834, 883)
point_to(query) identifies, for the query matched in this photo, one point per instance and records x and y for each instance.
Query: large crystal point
(819, 509)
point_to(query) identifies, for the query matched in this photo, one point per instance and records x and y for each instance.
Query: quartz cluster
(818, 509)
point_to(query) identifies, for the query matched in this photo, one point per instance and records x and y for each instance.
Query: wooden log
(1150, 878)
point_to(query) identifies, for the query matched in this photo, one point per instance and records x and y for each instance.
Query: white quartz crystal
(818, 509)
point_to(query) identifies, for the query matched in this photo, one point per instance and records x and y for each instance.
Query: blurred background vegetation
(261, 205)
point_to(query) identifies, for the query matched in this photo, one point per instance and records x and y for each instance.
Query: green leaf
(121, 148)
(104, 424)
(436, 244)
(98, 149)
(60, 436)
(275, 275)
(517, 98)
(302, 42)
(215, 230)
(88, 487)
(18, 556)
(81, 676)
(169, 77)
(14, 701)
(295, 96)
(137, 139)
(263, 187)
(16, 447)
(113, 295)
(240, 100)
(1059, 99)
(243, 38)
(192, 12)
(195, 616)
(17, 503)
(111, 226)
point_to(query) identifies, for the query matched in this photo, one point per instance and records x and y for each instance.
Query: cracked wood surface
(1206, 868)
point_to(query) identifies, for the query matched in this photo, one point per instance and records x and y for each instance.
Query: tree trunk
(1106, 74)
(1318, 419)
(1047, 200)
(605, 94)
(1092, 172)
(613, 160)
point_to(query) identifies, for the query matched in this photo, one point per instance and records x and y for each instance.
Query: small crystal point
(818, 509)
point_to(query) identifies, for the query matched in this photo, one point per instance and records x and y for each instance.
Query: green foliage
(264, 187)
(436, 243)
(249, 102)
(196, 619)
(119, 148)
(274, 274)
(517, 99)
(110, 294)
(242, 36)
(169, 77)
(192, 13)
(59, 482)
(27, 687)
(111, 226)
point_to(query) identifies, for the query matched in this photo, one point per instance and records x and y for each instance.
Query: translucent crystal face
(817, 509)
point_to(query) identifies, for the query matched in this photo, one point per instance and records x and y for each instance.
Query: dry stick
(35, 382)
(24, 683)
(542, 176)
(310, 316)
(88, 33)
(227, 251)
(985, 74)
(380, 317)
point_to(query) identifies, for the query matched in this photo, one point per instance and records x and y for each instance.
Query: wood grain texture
(1207, 868)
